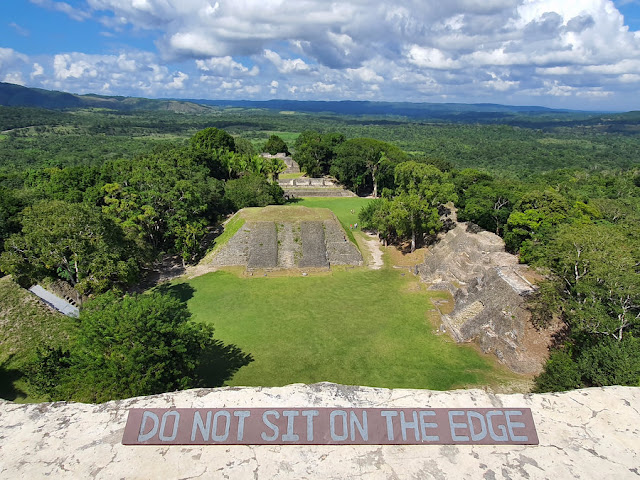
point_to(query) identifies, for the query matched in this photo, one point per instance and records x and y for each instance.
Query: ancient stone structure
(314, 248)
(292, 165)
(264, 245)
(590, 433)
(313, 187)
(289, 244)
(489, 288)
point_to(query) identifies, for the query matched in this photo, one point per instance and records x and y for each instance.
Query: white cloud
(12, 65)
(23, 32)
(178, 81)
(287, 66)
(76, 66)
(37, 70)
(72, 12)
(14, 77)
(364, 74)
(416, 50)
(225, 67)
(430, 58)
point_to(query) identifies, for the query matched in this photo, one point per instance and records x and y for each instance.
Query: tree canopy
(73, 242)
(131, 346)
(275, 145)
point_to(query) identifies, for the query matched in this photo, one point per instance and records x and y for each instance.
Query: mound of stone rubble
(490, 290)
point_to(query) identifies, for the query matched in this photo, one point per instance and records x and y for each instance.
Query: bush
(560, 373)
(131, 346)
(610, 362)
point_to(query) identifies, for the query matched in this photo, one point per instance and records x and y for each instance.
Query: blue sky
(582, 54)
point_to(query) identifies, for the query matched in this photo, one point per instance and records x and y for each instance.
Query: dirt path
(375, 249)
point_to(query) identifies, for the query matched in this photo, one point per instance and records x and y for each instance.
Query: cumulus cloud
(287, 66)
(506, 51)
(12, 65)
(37, 70)
(178, 81)
(225, 67)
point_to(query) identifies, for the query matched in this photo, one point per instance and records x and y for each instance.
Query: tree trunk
(413, 240)
(373, 178)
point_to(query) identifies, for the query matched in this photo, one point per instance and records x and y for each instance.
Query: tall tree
(365, 163)
(73, 242)
(413, 215)
(315, 152)
(212, 138)
(275, 145)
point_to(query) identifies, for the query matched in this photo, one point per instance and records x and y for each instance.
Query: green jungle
(93, 196)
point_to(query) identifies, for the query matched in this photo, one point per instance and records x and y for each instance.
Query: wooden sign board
(330, 426)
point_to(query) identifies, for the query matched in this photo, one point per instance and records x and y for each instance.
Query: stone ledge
(591, 433)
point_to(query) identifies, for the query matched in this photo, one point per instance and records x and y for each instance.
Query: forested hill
(404, 109)
(17, 96)
(460, 113)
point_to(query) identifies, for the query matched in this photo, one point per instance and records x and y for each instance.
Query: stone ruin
(313, 187)
(292, 165)
(268, 245)
(489, 289)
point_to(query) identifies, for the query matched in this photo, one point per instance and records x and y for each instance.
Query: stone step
(264, 246)
(314, 248)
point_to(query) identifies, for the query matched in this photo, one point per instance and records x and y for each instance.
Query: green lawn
(341, 206)
(353, 326)
(360, 327)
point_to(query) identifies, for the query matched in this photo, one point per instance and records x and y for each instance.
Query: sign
(330, 426)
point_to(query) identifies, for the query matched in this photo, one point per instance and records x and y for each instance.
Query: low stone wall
(590, 433)
(300, 192)
(306, 182)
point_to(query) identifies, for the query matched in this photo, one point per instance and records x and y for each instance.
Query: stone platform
(272, 245)
(592, 433)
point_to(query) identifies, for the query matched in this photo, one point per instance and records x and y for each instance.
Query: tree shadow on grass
(219, 362)
(8, 377)
(181, 291)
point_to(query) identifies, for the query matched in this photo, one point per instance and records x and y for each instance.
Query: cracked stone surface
(591, 433)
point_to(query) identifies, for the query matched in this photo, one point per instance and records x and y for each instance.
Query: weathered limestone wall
(593, 433)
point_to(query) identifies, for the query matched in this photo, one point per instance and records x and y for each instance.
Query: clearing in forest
(356, 326)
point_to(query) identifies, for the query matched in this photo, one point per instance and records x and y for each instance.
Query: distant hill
(439, 112)
(349, 107)
(18, 96)
(485, 113)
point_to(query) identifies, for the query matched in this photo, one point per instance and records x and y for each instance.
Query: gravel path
(373, 245)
